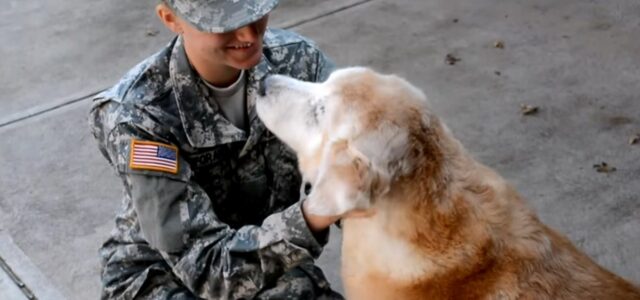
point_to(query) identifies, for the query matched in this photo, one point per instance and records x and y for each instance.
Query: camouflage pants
(156, 282)
(306, 282)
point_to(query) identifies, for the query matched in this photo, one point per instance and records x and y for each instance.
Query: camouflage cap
(221, 15)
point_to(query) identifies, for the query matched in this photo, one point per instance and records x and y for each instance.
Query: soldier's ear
(169, 18)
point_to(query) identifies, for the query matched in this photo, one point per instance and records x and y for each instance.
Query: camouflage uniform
(228, 224)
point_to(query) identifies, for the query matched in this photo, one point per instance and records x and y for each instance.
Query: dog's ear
(353, 173)
(387, 150)
(344, 182)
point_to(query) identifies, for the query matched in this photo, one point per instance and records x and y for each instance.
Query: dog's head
(354, 134)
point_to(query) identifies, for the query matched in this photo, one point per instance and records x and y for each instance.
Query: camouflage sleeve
(297, 56)
(324, 67)
(210, 258)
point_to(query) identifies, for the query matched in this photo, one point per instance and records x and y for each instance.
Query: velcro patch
(147, 155)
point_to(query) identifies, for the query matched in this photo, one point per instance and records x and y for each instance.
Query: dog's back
(465, 235)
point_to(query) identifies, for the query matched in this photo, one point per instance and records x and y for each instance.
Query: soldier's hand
(360, 213)
(320, 223)
(317, 223)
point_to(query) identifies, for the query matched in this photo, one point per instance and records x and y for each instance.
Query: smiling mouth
(241, 46)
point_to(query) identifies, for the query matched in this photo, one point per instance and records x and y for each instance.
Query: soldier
(212, 201)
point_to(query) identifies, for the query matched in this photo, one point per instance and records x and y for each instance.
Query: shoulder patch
(147, 155)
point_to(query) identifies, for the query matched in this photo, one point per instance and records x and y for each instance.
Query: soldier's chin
(245, 62)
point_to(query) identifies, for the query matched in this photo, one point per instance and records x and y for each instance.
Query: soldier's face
(239, 49)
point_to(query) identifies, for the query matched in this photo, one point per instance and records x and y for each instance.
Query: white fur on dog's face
(292, 110)
(350, 139)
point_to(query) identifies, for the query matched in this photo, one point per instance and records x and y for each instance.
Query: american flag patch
(154, 156)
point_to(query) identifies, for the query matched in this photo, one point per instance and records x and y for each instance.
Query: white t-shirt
(232, 100)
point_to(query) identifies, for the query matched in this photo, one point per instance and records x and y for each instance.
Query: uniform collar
(202, 121)
(256, 78)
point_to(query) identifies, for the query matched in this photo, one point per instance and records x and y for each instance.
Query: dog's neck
(431, 211)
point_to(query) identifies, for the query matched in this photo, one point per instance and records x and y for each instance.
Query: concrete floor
(578, 61)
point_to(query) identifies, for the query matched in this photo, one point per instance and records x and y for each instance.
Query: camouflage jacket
(224, 221)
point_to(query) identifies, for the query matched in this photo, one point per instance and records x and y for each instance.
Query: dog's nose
(262, 88)
(307, 187)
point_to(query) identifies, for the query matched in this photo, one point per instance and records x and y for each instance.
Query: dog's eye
(318, 110)
(315, 111)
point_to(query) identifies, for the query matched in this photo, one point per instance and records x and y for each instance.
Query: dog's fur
(445, 226)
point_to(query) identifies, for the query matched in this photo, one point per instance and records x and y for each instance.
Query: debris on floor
(527, 110)
(499, 44)
(451, 59)
(152, 32)
(603, 167)
(497, 73)
(634, 139)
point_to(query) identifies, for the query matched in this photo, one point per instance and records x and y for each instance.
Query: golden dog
(445, 226)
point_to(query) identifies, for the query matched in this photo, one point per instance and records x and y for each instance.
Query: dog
(443, 226)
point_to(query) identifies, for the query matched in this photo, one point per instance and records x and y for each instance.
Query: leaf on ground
(152, 32)
(451, 59)
(527, 110)
(499, 44)
(603, 167)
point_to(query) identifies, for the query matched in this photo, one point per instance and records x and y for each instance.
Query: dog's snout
(307, 187)
(269, 84)
(262, 88)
